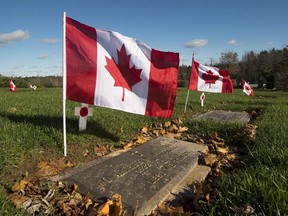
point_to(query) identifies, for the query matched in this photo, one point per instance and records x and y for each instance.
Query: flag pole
(64, 83)
(186, 101)
(188, 87)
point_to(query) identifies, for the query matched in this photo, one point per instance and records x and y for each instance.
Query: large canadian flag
(247, 88)
(107, 69)
(209, 79)
(12, 86)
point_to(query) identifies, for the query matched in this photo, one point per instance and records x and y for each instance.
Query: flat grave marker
(226, 116)
(143, 176)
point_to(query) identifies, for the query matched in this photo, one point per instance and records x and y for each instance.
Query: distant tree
(229, 61)
(281, 72)
(183, 75)
(228, 58)
(248, 67)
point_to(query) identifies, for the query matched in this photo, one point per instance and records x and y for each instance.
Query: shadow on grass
(94, 127)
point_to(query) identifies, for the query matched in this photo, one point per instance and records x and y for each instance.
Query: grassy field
(31, 131)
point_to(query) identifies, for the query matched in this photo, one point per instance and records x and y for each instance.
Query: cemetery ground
(248, 162)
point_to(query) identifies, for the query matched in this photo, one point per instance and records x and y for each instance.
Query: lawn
(31, 132)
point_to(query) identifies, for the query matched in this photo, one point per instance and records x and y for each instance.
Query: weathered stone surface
(183, 191)
(144, 176)
(226, 116)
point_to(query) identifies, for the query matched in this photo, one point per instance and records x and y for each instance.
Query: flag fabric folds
(12, 86)
(209, 79)
(107, 69)
(247, 88)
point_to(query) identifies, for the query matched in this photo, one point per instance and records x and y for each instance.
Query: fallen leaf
(34, 209)
(218, 143)
(222, 151)
(101, 150)
(167, 124)
(145, 130)
(214, 135)
(43, 164)
(104, 209)
(207, 197)
(182, 129)
(75, 199)
(128, 146)
(244, 209)
(121, 130)
(87, 200)
(231, 156)
(32, 188)
(59, 164)
(116, 206)
(19, 186)
(253, 113)
(169, 135)
(156, 132)
(210, 159)
(141, 140)
(177, 121)
(65, 208)
(162, 131)
(177, 136)
(47, 171)
(11, 109)
(69, 164)
(163, 209)
(85, 152)
(251, 131)
(158, 126)
(173, 128)
(19, 200)
(74, 188)
(178, 211)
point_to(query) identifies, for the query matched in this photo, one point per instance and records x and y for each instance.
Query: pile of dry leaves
(36, 194)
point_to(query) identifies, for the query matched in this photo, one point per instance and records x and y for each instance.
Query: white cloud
(17, 67)
(55, 67)
(42, 57)
(232, 42)
(49, 40)
(196, 43)
(16, 35)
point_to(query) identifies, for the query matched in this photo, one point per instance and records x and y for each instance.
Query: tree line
(23, 82)
(267, 69)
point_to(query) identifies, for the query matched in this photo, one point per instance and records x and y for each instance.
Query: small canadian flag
(12, 86)
(247, 88)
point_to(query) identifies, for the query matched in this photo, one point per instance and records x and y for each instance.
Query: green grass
(263, 183)
(31, 131)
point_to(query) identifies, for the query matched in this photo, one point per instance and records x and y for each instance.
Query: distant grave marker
(143, 176)
(226, 116)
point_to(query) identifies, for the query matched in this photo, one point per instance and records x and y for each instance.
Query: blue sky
(31, 30)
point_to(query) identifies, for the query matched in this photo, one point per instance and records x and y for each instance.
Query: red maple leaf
(123, 75)
(248, 88)
(210, 78)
